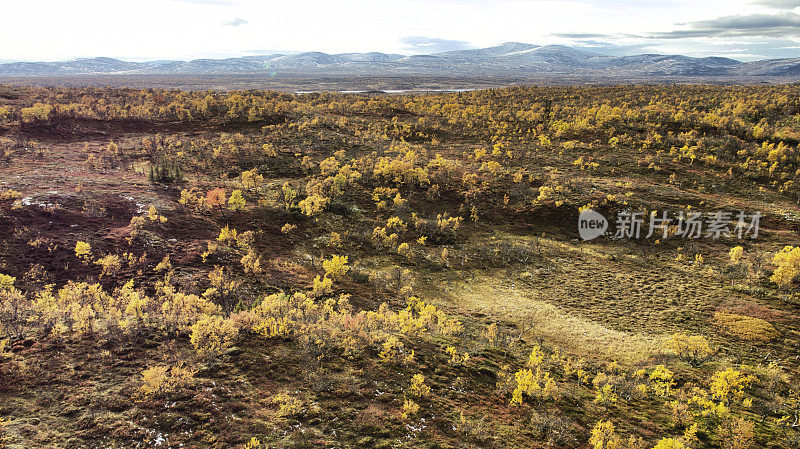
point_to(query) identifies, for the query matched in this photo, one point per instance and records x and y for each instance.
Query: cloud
(236, 22)
(210, 2)
(423, 45)
(783, 24)
(579, 35)
(778, 4)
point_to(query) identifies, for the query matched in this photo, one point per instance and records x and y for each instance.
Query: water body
(387, 91)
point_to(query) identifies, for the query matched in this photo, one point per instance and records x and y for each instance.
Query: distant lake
(387, 91)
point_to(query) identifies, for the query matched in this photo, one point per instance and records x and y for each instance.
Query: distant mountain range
(509, 59)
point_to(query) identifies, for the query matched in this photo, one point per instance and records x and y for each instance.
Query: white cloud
(237, 22)
(185, 29)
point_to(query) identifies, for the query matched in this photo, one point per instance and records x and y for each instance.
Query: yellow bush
(393, 351)
(410, 408)
(662, 380)
(180, 310)
(251, 263)
(694, 349)
(250, 179)
(534, 384)
(604, 436)
(7, 282)
(728, 385)
(536, 357)
(321, 286)
(254, 442)
(456, 358)
(110, 263)
(153, 215)
(736, 254)
(163, 379)
(212, 335)
(418, 388)
(788, 262)
(164, 265)
(227, 236)
(605, 395)
(669, 443)
(313, 205)
(83, 250)
(336, 267)
(287, 405)
(490, 333)
(236, 201)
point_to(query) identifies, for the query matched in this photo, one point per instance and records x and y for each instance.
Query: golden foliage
(788, 263)
(695, 349)
(212, 335)
(83, 250)
(335, 267)
(418, 388)
(604, 436)
(158, 380)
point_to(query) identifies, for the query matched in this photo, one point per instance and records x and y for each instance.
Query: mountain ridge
(509, 58)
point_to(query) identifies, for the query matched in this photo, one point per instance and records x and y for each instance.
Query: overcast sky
(189, 29)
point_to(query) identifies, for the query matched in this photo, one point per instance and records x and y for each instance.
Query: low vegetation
(255, 269)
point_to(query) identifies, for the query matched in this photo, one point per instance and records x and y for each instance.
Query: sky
(137, 30)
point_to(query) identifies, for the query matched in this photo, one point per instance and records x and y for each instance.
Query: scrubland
(257, 269)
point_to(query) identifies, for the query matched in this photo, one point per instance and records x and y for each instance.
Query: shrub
(212, 335)
(153, 215)
(404, 250)
(215, 198)
(336, 267)
(418, 388)
(729, 385)
(179, 310)
(251, 180)
(490, 334)
(236, 201)
(605, 395)
(7, 282)
(456, 358)
(694, 349)
(736, 254)
(669, 443)
(254, 443)
(313, 205)
(737, 434)
(321, 286)
(163, 379)
(536, 384)
(604, 436)
(83, 250)
(251, 263)
(227, 236)
(788, 262)
(287, 405)
(393, 351)
(410, 408)
(287, 196)
(662, 380)
(164, 265)
(110, 263)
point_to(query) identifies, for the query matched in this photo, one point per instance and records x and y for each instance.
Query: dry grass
(542, 320)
